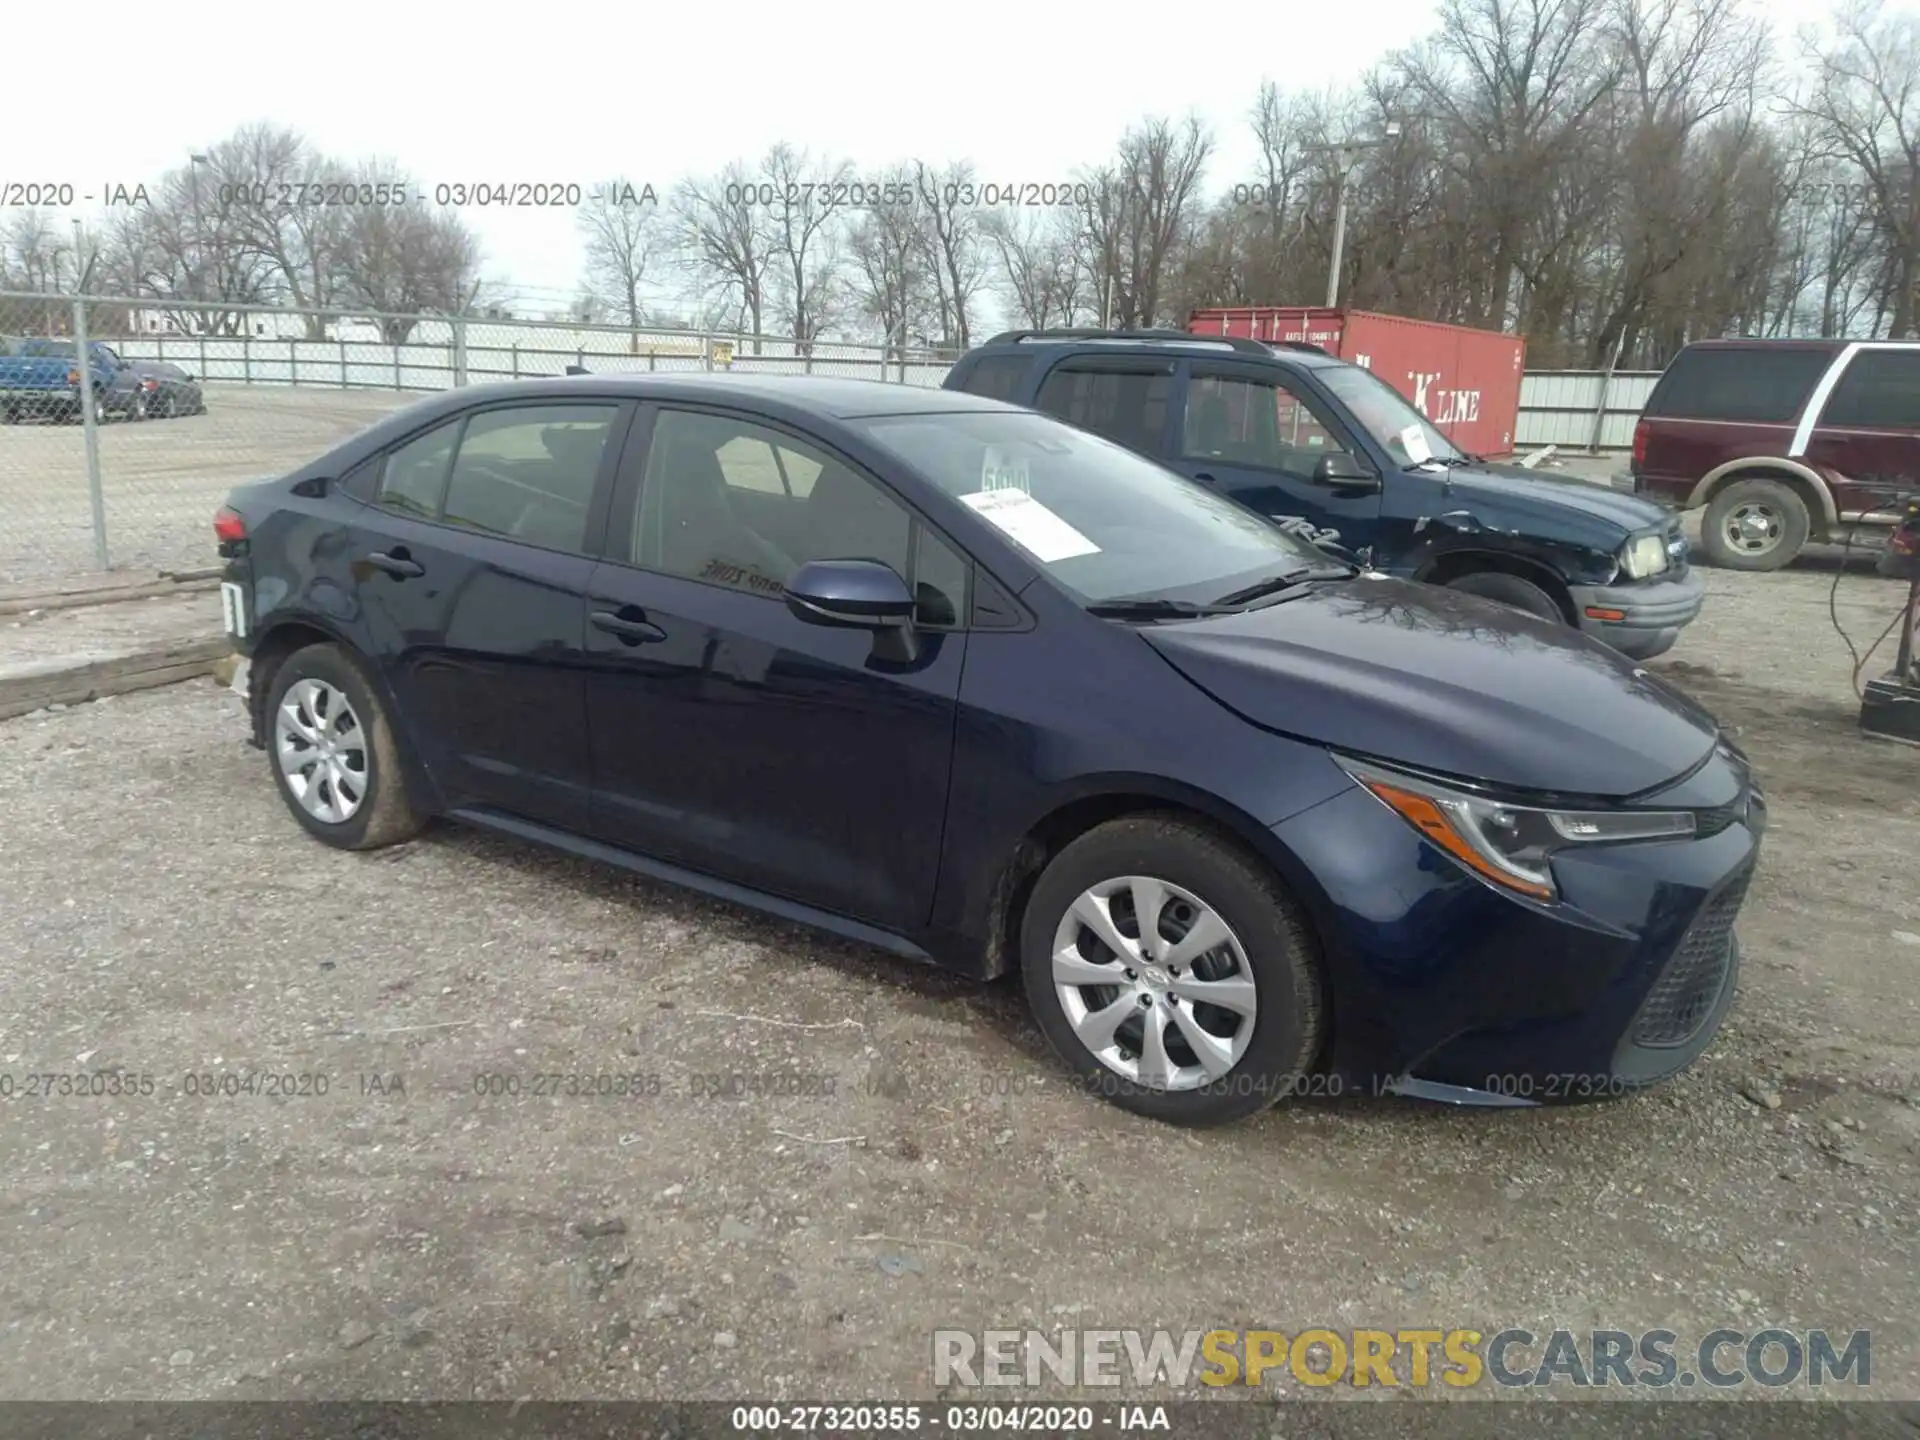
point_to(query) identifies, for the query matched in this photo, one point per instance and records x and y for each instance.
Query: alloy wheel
(321, 749)
(1154, 983)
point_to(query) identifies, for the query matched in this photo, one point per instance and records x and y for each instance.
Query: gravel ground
(404, 1236)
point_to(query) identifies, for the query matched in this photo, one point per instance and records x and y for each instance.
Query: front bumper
(1643, 618)
(1443, 988)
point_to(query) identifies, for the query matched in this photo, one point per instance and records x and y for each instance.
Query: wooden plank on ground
(30, 687)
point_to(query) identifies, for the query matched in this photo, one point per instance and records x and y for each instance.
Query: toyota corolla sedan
(962, 682)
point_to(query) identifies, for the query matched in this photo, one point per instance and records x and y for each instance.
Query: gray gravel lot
(404, 1236)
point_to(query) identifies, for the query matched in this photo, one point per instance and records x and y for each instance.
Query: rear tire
(335, 758)
(1265, 961)
(1511, 591)
(1755, 525)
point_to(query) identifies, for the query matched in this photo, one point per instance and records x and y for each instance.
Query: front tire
(1755, 525)
(335, 759)
(1214, 1013)
(1511, 591)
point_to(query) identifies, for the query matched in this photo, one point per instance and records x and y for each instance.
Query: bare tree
(725, 246)
(1512, 82)
(893, 282)
(950, 238)
(407, 261)
(622, 230)
(1865, 104)
(806, 200)
(1137, 212)
(1039, 272)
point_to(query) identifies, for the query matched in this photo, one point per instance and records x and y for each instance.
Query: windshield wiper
(1152, 610)
(1276, 584)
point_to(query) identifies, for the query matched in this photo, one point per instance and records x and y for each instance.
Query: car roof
(1213, 347)
(826, 396)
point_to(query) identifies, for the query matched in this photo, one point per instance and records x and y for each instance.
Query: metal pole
(1339, 236)
(91, 432)
(1606, 386)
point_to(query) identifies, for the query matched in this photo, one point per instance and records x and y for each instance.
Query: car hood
(1515, 485)
(160, 369)
(1447, 682)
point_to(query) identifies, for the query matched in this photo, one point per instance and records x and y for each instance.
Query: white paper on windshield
(1000, 470)
(1029, 524)
(1414, 441)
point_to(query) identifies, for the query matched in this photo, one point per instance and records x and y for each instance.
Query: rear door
(1257, 437)
(470, 566)
(1869, 429)
(729, 736)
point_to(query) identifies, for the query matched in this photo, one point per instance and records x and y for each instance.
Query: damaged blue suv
(1338, 456)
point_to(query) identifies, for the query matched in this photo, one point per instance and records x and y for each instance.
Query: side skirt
(766, 904)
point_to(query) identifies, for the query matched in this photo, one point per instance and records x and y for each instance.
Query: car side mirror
(1341, 471)
(856, 595)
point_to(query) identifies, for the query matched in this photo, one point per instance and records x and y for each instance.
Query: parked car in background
(136, 389)
(960, 681)
(1782, 441)
(1334, 452)
(38, 386)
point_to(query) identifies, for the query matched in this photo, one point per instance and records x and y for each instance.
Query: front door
(733, 738)
(1255, 438)
(470, 566)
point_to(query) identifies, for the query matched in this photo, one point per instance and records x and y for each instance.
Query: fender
(1703, 491)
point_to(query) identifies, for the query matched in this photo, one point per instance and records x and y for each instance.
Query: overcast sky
(581, 91)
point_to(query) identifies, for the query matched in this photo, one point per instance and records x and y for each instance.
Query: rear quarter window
(997, 377)
(1879, 391)
(1758, 385)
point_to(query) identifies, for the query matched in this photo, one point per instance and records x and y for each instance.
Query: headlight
(1507, 845)
(1644, 555)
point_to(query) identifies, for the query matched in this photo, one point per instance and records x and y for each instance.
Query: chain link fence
(120, 464)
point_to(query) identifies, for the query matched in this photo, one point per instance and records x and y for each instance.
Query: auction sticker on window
(1002, 471)
(1030, 525)
(1414, 441)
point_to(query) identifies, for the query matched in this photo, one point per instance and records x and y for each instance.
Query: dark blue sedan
(960, 681)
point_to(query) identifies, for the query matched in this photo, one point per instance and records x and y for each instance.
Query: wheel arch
(1450, 565)
(1120, 798)
(287, 634)
(1803, 479)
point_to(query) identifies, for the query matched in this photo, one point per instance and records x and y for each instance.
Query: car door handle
(1205, 478)
(631, 629)
(396, 563)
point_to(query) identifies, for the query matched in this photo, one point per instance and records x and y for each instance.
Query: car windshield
(1105, 523)
(1407, 435)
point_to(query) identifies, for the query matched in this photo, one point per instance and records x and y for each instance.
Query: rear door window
(1760, 385)
(1125, 403)
(527, 473)
(415, 475)
(1879, 391)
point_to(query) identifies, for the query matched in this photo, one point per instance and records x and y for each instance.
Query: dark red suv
(1783, 441)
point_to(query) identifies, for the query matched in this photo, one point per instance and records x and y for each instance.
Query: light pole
(1345, 154)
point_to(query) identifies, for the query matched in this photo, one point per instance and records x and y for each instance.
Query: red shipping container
(1466, 381)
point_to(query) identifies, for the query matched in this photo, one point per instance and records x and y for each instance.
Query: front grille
(1684, 995)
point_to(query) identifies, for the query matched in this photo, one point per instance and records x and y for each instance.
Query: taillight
(228, 526)
(1640, 443)
(149, 384)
